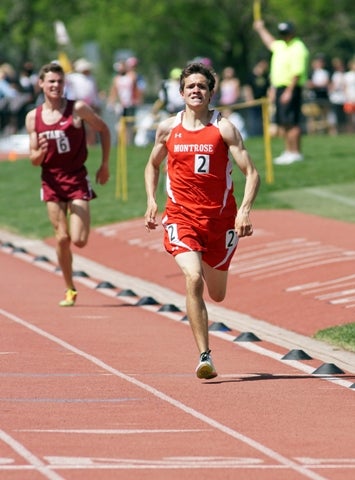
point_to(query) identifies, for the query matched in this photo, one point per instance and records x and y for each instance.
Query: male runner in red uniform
(201, 221)
(58, 145)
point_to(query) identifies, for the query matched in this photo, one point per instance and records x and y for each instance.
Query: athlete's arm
(242, 158)
(84, 112)
(38, 143)
(152, 170)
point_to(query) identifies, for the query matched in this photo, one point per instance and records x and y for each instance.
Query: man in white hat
(81, 85)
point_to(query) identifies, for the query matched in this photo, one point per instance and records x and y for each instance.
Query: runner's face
(52, 85)
(196, 90)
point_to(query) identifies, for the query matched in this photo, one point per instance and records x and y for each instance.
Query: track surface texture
(107, 389)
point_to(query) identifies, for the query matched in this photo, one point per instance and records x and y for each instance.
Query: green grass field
(342, 336)
(323, 184)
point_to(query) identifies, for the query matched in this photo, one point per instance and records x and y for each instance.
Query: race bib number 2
(63, 145)
(202, 163)
(172, 232)
(231, 239)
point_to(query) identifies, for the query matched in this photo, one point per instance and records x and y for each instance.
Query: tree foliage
(167, 34)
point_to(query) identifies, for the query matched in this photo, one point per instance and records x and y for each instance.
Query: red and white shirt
(199, 171)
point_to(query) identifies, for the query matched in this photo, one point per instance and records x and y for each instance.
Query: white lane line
(329, 195)
(292, 465)
(319, 286)
(34, 461)
(124, 431)
(327, 462)
(284, 259)
(234, 319)
(165, 463)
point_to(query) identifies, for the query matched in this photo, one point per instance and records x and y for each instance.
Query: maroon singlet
(64, 175)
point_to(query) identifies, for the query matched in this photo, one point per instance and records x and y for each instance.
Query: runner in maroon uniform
(58, 145)
(201, 221)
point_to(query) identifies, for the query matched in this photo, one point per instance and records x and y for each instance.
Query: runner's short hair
(198, 68)
(51, 67)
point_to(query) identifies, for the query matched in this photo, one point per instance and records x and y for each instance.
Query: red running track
(107, 389)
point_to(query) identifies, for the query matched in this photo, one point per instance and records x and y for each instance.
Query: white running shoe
(205, 369)
(286, 158)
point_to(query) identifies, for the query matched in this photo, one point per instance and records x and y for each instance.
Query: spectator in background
(258, 85)
(229, 87)
(7, 91)
(237, 120)
(318, 88)
(349, 105)
(131, 66)
(169, 96)
(319, 81)
(14, 101)
(124, 94)
(337, 94)
(28, 80)
(169, 101)
(113, 99)
(288, 75)
(81, 85)
(229, 94)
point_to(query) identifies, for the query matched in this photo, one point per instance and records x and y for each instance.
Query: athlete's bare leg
(79, 222)
(216, 281)
(191, 266)
(57, 214)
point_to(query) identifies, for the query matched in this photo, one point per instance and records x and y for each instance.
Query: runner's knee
(80, 242)
(194, 282)
(217, 296)
(63, 239)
